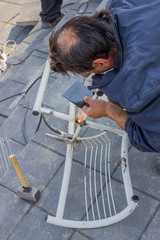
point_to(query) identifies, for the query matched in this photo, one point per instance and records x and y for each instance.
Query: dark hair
(93, 38)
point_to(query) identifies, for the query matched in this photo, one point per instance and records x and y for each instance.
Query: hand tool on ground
(25, 191)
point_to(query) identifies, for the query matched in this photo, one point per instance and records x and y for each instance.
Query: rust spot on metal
(124, 164)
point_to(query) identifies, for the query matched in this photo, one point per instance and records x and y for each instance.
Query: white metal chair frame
(131, 199)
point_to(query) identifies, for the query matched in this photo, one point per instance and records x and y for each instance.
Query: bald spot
(66, 39)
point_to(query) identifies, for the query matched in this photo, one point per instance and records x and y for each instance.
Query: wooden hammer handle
(18, 170)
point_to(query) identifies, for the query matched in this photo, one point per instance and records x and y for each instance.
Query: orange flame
(80, 118)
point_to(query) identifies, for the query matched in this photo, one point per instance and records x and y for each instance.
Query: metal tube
(95, 223)
(59, 115)
(104, 128)
(85, 181)
(90, 183)
(41, 89)
(67, 169)
(125, 168)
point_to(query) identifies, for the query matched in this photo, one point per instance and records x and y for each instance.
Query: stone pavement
(42, 159)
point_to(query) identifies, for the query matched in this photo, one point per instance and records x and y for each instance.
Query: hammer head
(29, 194)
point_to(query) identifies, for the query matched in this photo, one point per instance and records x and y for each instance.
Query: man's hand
(97, 108)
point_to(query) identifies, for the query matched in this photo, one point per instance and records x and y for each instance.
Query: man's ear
(100, 62)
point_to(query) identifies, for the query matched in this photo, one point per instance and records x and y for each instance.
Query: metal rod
(56, 114)
(107, 191)
(3, 166)
(95, 223)
(90, 183)
(109, 179)
(4, 156)
(125, 169)
(42, 88)
(67, 169)
(6, 153)
(95, 182)
(104, 128)
(101, 182)
(85, 182)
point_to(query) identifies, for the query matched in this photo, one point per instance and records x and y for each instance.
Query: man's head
(83, 45)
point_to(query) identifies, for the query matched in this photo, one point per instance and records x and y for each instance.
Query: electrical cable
(11, 96)
(15, 95)
(39, 123)
(14, 64)
(82, 12)
(49, 126)
(29, 87)
(78, 10)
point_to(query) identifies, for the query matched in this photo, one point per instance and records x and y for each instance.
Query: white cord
(4, 56)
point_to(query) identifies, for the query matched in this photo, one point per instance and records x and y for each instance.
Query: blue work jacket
(135, 80)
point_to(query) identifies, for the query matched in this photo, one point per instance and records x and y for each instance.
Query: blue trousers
(50, 10)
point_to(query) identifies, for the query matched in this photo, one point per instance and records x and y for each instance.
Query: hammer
(25, 191)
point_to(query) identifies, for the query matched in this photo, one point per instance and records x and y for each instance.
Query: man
(51, 12)
(121, 46)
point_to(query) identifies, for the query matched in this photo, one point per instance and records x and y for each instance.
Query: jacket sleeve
(144, 140)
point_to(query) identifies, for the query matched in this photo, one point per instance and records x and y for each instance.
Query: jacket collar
(100, 80)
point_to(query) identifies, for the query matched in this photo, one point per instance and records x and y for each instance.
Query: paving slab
(11, 84)
(9, 93)
(143, 173)
(23, 34)
(11, 9)
(37, 32)
(11, 213)
(16, 121)
(40, 44)
(153, 231)
(15, 147)
(34, 227)
(38, 164)
(41, 54)
(29, 14)
(26, 70)
(14, 1)
(5, 111)
(78, 236)
(85, 7)
(67, 5)
(9, 32)
(2, 119)
(132, 226)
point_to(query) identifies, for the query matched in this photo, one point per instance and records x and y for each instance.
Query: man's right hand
(97, 108)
